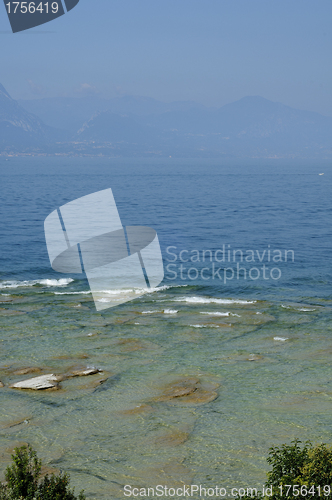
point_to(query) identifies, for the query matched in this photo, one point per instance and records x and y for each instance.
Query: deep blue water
(193, 205)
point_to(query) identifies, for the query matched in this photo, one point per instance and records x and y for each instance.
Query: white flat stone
(84, 373)
(48, 381)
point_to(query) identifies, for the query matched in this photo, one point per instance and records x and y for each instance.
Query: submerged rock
(179, 389)
(16, 423)
(173, 474)
(189, 390)
(26, 371)
(1, 384)
(130, 345)
(10, 312)
(49, 381)
(174, 438)
(138, 409)
(93, 384)
(254, 357)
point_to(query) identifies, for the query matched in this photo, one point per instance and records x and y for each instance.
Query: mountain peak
(3, 92)
(254, 98)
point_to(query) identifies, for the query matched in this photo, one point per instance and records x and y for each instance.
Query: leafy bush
(22, 476)
(301, 473)
(22, 480)
(309, 467)
(55, 488)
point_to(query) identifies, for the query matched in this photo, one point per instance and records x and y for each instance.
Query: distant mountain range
(141, 126)
(22, 131)
(19, 130)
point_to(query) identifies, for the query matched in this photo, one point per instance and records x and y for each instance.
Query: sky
(209, 51)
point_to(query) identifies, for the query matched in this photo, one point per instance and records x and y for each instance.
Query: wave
(119, 291)
(203, 300)
(205, 326)
(107, 300)
(216, 313)
(165, 311)
(43, 282)
(302, 309)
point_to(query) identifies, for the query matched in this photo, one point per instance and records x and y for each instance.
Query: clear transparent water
(269, 391)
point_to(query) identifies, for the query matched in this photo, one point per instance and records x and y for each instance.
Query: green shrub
(22, 476)
(55, 488)
(307, 469)
(23, 480)
(301, 473)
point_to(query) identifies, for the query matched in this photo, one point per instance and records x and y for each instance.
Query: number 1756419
(32, 7)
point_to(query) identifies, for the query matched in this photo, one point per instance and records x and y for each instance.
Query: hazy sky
(209, 51)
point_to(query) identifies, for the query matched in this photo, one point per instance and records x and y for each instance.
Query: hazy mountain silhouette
(71, 113)
(64, 112)
(110, 127)
(250, 127)
(19, 129)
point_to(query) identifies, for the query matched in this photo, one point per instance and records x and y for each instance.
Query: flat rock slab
(189, 390)
(49, 381)
(84, 373)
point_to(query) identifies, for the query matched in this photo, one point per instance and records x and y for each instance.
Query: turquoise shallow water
(251, 357)
(119, 432)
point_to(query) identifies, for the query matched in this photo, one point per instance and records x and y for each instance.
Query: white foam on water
(216, 313)
(205, 326)
(302, 309)
(170, 311)
(46, 282)
(280, 339)
(204, 300)
(105, 300)
(119, 291)
(60, 282)
(150, 312)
